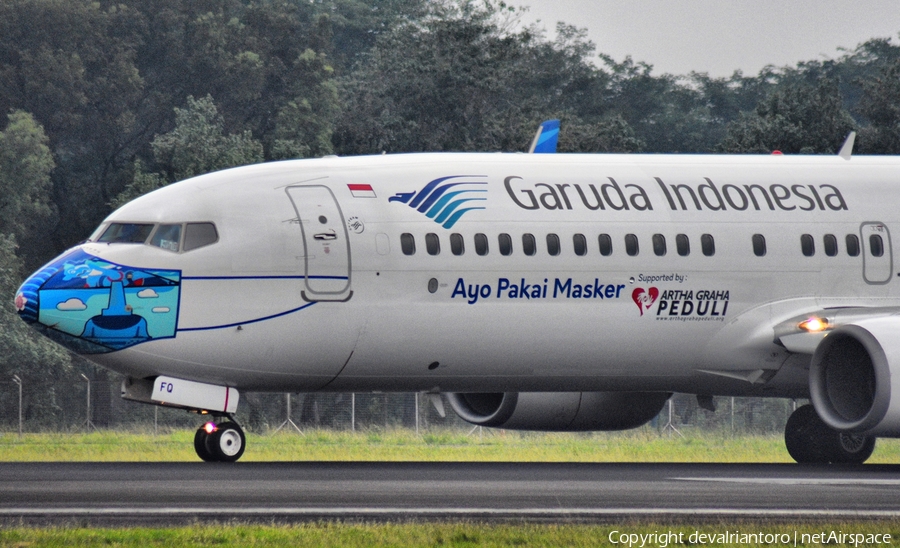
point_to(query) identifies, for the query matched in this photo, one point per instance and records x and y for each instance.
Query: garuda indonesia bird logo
(446, 199)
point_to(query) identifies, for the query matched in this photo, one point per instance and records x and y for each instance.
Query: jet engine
(854, 377)
(559, 411)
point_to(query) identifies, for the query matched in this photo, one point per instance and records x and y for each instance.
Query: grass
(642, 445)
(445, 535)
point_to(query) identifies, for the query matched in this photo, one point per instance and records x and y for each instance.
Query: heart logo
(644, 299)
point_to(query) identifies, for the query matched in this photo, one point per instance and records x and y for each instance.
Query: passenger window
(830, 245)
(631, 245)
(528, 244)
(759, 245)
(876, 245)
(553, 244)
(126, 233)
(432, 244)
(659, 245)
(199, 235)
(605, 242)
(407, 243)
(708, 245)
(457, 245)
(852, 245)
(807, 245)
(481, 244)
(505, 241)
(580, 244)
(167, 237)
(683, 244)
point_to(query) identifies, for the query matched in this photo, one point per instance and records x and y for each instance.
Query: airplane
(557, 292)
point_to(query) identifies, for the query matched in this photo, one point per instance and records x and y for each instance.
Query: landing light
(210, 427)
(814, 325)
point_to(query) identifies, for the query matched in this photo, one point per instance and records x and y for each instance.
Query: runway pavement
(172, 493)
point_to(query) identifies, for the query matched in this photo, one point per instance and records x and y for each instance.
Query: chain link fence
(95, 404)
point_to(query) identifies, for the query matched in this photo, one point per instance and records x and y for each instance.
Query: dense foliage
(105, 100)
(118, 87)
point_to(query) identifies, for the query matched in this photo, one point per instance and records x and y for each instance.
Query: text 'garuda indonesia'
(705, 196)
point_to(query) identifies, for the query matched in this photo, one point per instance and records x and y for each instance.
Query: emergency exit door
(878, 265)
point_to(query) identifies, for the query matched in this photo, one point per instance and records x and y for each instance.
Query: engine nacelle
(559, 411)
(854, 377)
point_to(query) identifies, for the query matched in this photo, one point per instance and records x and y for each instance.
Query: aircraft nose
(91, 305)
(27, 296)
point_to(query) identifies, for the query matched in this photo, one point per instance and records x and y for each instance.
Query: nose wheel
(224, 442)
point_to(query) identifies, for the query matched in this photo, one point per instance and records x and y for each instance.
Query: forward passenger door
(325, 241)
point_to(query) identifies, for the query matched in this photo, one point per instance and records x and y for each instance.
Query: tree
(259, 61)
(464, 77)
(610, 135)
(355, 25)
(197, 145)
(142, 183)
(25, 166)
(304, 125)
(104, 78)
(798, 118)
(34, 358)
(70, 65)
(880, 105)
(26, 213)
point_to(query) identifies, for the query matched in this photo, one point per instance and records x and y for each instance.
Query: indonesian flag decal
(361, 190)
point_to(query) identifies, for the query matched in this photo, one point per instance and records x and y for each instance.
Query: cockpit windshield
(174, 237)
(126, 233)
(167, 237)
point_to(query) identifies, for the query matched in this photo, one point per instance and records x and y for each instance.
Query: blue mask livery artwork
(91, 305)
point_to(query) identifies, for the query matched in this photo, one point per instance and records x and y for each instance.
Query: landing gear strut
(809, 440)
(222, 442)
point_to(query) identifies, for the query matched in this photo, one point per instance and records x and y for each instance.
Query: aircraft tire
(227, 443)
(809, 440)
(201, 445)
(847, 448)
(804, 435)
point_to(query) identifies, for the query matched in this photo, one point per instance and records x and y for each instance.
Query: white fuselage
(312, 284)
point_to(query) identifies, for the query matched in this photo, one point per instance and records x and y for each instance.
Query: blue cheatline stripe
(224, 326)
(264, 277)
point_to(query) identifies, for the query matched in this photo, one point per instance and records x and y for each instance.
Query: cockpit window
(126, 233)
(199, 235)
(167, 237)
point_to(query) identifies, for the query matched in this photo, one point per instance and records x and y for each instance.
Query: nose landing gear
(223, 442)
